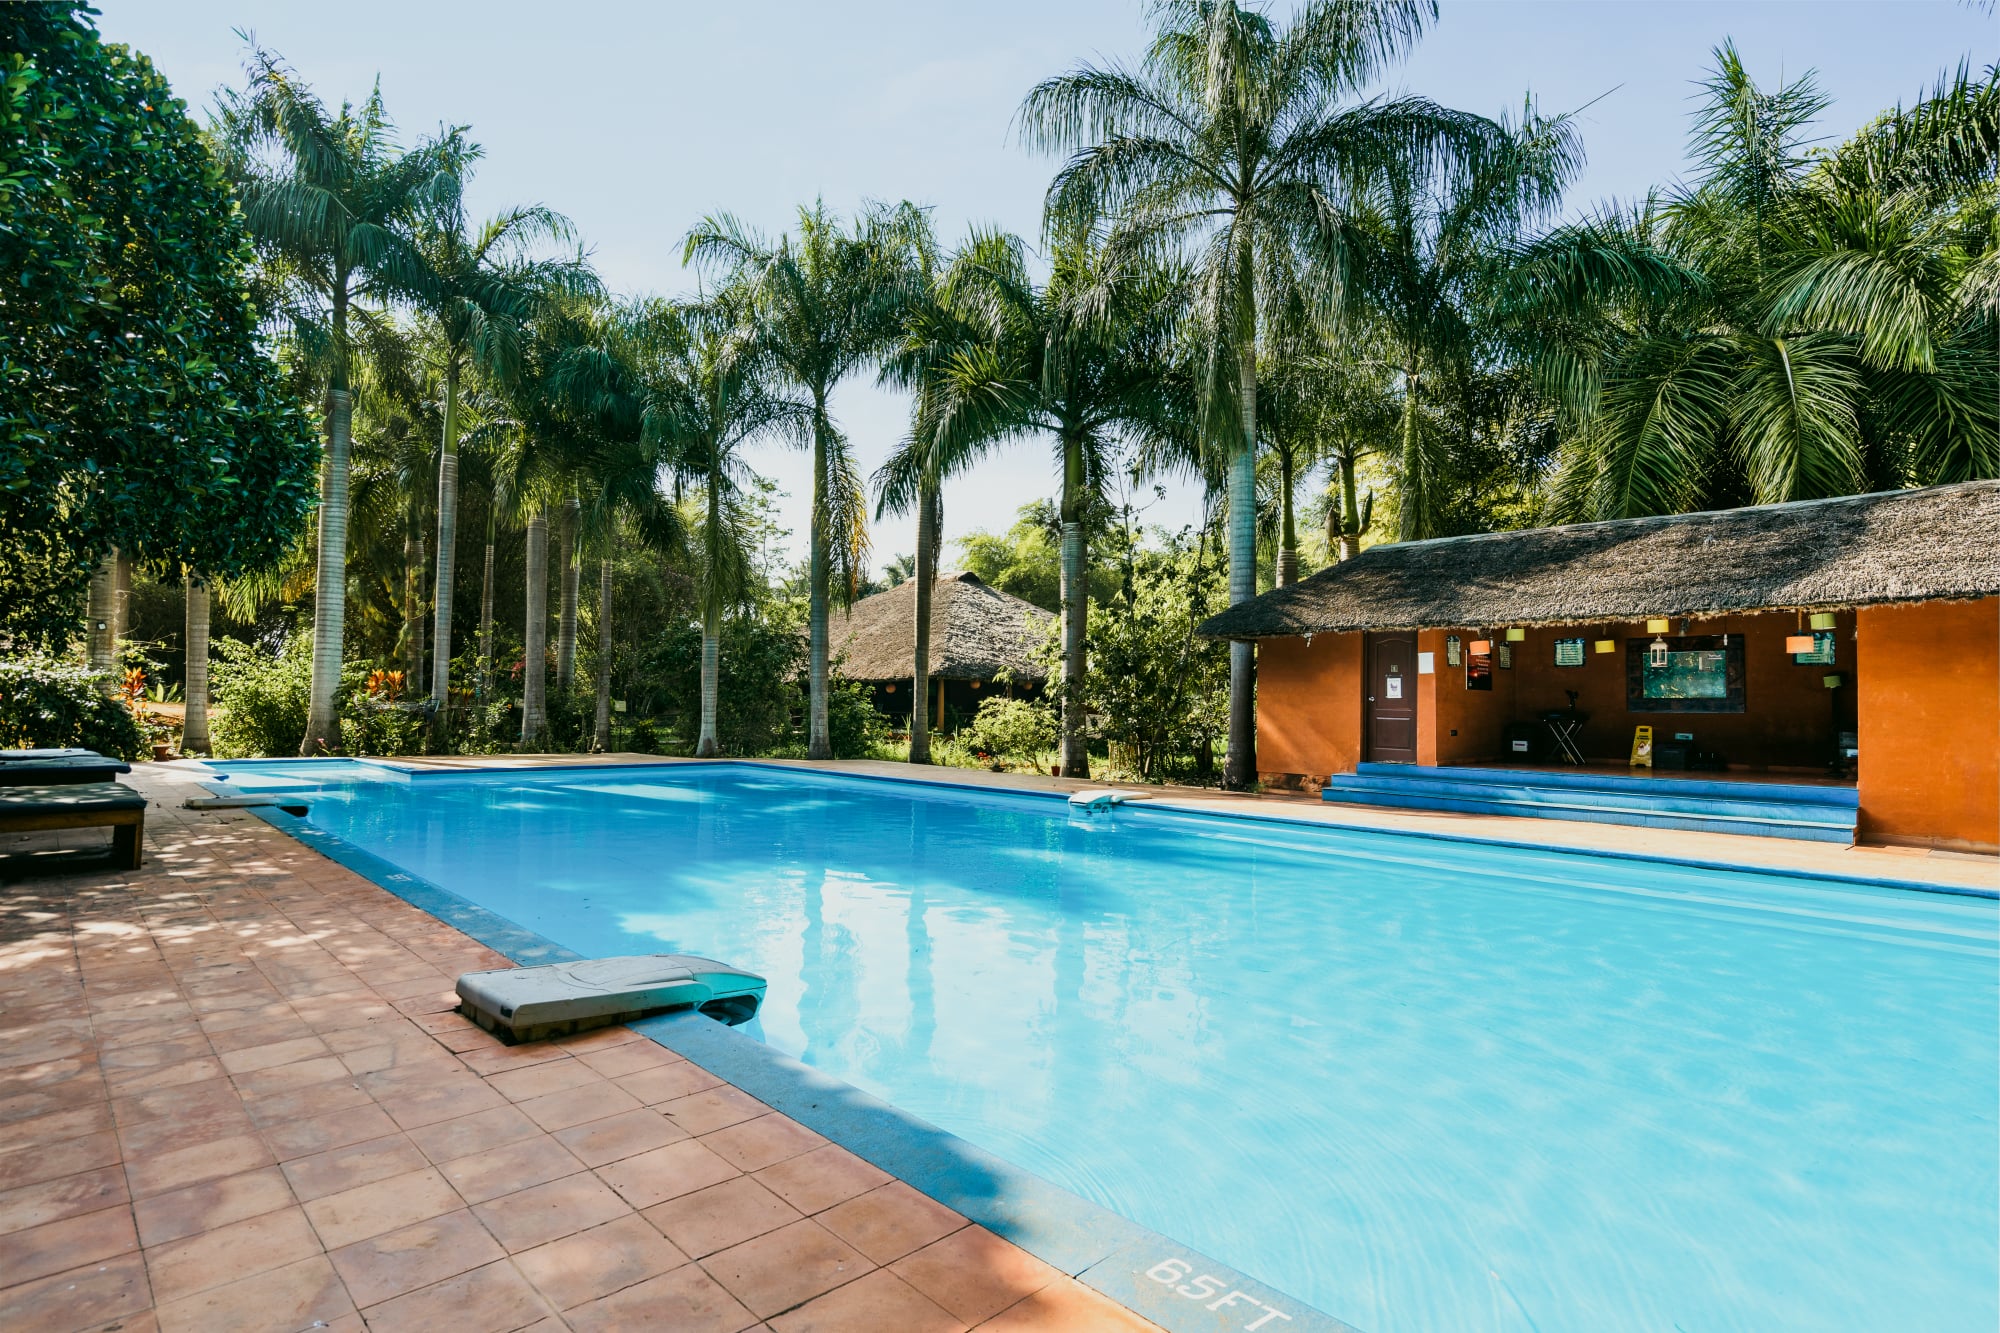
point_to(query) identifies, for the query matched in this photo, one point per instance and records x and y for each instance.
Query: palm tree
(1835, 326)
(332, 214)
(484, 287)
(826, 303)
(194, 694)
(703, 379)
(932, 333)
(1082, 360)
(1234, 144)
(1426, 248)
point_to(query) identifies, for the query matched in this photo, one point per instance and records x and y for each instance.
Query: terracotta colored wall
(1309, 706)
(1789, 718)
(1455, 724)
(1930, 724)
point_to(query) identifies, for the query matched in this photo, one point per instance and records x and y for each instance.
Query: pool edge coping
(1183, 806)
(1109, 1253)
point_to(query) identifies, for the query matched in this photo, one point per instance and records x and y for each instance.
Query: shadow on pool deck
(233, 1095)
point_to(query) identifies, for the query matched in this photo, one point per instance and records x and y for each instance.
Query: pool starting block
(557, 999)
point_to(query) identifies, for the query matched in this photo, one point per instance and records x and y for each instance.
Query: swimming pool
(1420, 1084)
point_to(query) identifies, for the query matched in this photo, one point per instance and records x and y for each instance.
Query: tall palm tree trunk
(819, 739)
(413, 608)
(1240, 771)
(1350, 510)
(535, 636)
(330, 577)
(572, 572)
(101, 609)
(485, 683)
(707, 745)
(930, 504)
(1413, 514)
(1288, 534)
(1075, 612)
(194, 724)
(447, 551)
(600, 739)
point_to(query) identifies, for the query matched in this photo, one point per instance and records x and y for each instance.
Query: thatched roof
(1894, 546)
(977, 631)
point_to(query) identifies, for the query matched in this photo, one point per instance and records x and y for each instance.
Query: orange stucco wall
(1929, 724)
(1455, 724)
(1308, 706)
(1789, 718)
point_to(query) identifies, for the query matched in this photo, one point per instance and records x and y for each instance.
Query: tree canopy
(138, 408)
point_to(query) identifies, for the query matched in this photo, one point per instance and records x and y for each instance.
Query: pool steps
(1772, 810)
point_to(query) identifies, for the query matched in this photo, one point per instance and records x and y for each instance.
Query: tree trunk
(330, 577)
(930, 504)
(194, 725)
(707, 744)
(1413, 514)
(101, 613)
(1288, 535)
(447, 552)
(1240, 770)
(535, 637)
(121, 603)
(819, 738)
(600, 739)
(572, 573)
(1350, 511)
(1075, 759)
(485, 682)
(413, 609)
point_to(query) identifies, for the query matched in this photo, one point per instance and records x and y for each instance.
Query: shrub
(757, 690)
(48, 703)
(1012, 729)
(261, 699)
(853, 727)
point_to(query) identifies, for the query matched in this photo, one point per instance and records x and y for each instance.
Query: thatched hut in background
(983, 642)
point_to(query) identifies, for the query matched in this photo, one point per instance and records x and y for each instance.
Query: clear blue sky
(636, 119)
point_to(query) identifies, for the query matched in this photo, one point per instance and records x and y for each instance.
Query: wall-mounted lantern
(1656, 655)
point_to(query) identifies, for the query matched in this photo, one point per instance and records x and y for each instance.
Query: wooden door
(1392, 698)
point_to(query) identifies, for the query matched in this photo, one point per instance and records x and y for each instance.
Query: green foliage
(49, 703)
(1163, 692)
(1012, 729)
(1026, 560)
(261, 698)
(137, 409)
(853, 726)
(757, 694)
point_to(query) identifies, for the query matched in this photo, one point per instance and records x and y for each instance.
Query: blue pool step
(1768, 809)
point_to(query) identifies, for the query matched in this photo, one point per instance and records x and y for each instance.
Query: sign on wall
(1569, 652)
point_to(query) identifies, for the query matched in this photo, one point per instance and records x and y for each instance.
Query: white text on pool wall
(1169, 1272)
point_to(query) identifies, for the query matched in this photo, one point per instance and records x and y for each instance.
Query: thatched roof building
(1940, 543)
(977, 632)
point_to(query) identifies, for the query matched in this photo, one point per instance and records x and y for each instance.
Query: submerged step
(556, 999)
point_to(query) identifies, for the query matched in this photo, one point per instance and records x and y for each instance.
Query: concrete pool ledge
(1935, 871)
(1175, 1287)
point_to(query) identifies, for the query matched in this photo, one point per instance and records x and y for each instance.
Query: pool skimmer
(557, 999)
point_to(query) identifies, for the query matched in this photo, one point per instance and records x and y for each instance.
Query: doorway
(1391, 710)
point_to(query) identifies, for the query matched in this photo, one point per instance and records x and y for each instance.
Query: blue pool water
(1419, 1084)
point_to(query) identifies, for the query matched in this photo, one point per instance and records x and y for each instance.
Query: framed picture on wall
(1454, 651)
(1503, 656)
(1569, 652)
(1702, 674)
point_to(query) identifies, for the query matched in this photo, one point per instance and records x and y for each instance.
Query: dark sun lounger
(80, 805)
(51, 770)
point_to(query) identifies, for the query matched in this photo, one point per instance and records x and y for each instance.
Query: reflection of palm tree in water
(921, 1033)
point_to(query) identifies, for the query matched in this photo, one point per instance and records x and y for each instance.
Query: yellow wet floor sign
(1642, 747)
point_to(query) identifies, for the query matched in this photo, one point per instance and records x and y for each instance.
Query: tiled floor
(233, 1096)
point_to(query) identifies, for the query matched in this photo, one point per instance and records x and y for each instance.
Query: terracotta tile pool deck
(234, 1096)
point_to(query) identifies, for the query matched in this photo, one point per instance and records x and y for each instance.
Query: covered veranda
(1846, 642)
